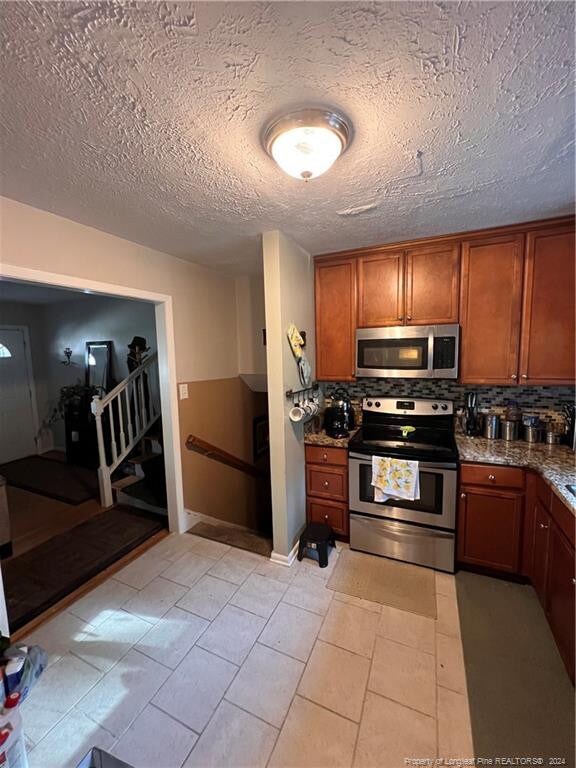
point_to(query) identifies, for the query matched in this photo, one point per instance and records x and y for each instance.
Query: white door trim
(177, 518)
(30, 375)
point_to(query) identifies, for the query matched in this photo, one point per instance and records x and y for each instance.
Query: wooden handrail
(200, 446)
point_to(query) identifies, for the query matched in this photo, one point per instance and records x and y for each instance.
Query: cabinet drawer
(327, 482)
(319, 454)
(330, 512)
(492, 475)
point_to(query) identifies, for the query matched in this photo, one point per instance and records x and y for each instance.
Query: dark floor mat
(234, 537)
(521, 698)
(40, 577)
(52, 478)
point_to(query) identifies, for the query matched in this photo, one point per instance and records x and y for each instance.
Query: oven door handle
(366, 459)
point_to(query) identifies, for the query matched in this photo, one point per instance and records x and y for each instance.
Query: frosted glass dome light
(307, 143)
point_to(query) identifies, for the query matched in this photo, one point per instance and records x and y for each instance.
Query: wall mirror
(98, 364)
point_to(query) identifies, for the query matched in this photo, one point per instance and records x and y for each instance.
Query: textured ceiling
(143, 118)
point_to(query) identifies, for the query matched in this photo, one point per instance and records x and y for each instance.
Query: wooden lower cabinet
(489, 528)
(559, 598)
(504, 530)
(541, 538)
(327, 487)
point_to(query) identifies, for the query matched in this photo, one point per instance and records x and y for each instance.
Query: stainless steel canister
(491, 426)
(533, 434)
(510, 429)
(553, 436)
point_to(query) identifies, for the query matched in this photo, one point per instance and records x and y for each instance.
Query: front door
(17, 424)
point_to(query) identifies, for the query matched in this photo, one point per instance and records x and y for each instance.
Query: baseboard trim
(286, 560)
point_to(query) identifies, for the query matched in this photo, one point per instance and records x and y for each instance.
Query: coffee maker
(472, 426)
(339, 416)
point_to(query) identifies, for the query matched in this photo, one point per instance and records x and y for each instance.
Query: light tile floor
(197, 654)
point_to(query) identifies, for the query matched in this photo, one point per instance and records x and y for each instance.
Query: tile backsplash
(543, 401)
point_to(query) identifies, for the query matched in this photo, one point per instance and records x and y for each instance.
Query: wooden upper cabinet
(381, 289)
(490, 309)
(432, 284)
(335, 290)
(548, 313)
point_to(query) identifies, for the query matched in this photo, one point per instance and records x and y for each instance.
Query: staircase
(124, 421)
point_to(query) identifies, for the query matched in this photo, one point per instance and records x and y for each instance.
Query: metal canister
(533, 434)
(553, 436)
(491, 426)
(510, 429)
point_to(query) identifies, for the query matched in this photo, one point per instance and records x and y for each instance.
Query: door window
(4, 351)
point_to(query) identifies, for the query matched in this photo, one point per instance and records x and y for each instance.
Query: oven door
(395, 352)
(436, 506)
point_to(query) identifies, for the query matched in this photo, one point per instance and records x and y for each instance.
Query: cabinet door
(489, 527)
(490, 309)
(548, 338)
(560, 596)
(432, 284)
(381, 290)
(335, 320)
(330, 512)
(540, 552)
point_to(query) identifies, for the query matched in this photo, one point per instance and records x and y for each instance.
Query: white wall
(289, 291)
(204, 301)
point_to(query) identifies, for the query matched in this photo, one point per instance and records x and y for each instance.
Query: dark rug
(234, 537)
(521, 698)
(40, 577)
(52, 478)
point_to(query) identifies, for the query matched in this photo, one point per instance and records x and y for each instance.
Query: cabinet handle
(573, 580)
(325, 517)
(326, 483)
(524, 375)
(399, 317)
(462, 495)
(325, 457)
(513, 376)
(491, 477)
(543, 525)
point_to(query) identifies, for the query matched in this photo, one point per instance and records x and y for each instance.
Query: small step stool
(317, 536)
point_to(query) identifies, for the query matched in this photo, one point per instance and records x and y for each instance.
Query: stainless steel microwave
(416, 352)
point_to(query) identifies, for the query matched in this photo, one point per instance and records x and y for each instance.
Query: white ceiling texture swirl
(144, 119)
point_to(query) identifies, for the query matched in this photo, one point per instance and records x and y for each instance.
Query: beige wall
(250, 320)
(221, 412)
(204, 301)
(289, 290)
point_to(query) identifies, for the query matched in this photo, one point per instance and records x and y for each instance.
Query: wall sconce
(67, 355)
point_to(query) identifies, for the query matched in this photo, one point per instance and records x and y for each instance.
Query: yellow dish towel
(395, 479)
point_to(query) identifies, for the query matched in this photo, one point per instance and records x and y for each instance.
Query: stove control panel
(408, 407)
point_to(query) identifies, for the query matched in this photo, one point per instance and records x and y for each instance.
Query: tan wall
(221, 412)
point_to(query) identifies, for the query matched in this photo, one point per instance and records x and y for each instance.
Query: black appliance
(339, 416)
(421, 531)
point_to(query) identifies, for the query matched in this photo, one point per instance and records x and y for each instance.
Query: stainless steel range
(420, 531)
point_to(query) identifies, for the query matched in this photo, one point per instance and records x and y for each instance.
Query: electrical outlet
(183, 388)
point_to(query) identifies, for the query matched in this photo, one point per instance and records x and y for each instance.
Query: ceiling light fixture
(306, 143)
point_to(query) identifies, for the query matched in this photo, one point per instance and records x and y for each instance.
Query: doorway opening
(65, 351)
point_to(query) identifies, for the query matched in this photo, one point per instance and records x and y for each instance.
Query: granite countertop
(556, 463)
(321, 438)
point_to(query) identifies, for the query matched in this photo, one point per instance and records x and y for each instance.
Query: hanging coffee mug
(296, 413)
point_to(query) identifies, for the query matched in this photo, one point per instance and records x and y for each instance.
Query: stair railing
(123, 416)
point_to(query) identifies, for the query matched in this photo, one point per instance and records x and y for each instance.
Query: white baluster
(142, 402)
(105, 486)
(135, 400)
(130, 429)
(121, 424)
(112, 433)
